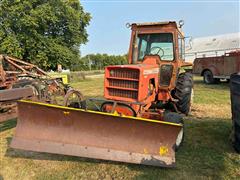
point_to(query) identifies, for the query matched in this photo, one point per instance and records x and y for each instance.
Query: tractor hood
(146, 68)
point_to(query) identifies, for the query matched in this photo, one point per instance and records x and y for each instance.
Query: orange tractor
(152, 81)
(139, 120)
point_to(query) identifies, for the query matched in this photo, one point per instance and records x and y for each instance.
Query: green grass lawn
(206, 152)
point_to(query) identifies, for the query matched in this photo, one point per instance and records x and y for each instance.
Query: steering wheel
(159, 49)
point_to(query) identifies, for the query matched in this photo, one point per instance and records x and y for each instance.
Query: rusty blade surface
(61, 130)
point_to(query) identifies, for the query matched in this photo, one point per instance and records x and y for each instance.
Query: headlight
(166, 74)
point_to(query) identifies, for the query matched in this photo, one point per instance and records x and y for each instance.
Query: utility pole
(89, 63)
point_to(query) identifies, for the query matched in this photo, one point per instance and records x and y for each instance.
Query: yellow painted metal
(97, 112)
(63, 77)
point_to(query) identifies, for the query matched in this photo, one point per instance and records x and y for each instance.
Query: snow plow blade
(76, 132)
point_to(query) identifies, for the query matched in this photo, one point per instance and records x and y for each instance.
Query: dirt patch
(211, 111)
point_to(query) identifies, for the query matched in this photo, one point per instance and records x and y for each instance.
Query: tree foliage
(43, 32)
(98, 61)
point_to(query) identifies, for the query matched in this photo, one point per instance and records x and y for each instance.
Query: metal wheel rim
(179, 138)
(35, 91)
(69, 94)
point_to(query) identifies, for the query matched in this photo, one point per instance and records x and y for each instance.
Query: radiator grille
(123, 93)
(125, 73)
(123, 83)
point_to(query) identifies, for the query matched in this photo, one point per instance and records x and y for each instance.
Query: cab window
(156, 44)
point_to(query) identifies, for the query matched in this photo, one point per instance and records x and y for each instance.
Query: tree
(43, 32)
(99, 61)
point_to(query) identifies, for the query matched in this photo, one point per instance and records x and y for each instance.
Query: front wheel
(177, 119)
(120, 108)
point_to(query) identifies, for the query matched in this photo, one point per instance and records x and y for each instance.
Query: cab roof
(155, 23)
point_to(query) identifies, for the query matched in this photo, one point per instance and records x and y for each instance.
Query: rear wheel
(183, 92)
(208, 78)
(74, 99)
(178, 119)
(29, 82)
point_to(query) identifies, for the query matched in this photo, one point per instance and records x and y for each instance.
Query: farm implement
(23, 80)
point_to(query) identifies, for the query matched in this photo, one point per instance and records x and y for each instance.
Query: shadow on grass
(5, 125)
(222, 84)
(202, 155)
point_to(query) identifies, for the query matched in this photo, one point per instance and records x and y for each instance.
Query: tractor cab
(164, 39)
(162, 44)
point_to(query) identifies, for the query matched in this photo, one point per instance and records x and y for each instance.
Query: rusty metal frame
(17, 68)
(15, 94)
(25, 67)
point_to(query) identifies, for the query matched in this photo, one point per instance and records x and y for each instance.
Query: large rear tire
(178, 119)
(183, 92)
(236, 142)
(235, 106)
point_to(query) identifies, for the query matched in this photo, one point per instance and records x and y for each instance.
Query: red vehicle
(213, 69)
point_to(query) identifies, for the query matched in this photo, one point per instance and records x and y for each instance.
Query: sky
(108, 33)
